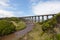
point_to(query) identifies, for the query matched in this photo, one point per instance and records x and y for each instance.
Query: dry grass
(35, 34)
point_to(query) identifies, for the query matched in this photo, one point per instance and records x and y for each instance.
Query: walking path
(18, 34)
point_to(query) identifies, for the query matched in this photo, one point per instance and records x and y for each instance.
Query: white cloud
(48, 7)
(4, 13)
(4, 2)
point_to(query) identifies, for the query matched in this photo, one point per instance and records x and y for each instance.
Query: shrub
(13, 19)
(58, 36)
(50, 24)
(58, 18)
(6, 27)
(21, 25)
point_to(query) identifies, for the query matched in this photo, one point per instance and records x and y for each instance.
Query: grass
(10, 25)
(58, 37)
(38, 34)
(21, 25)
(6, 27)
(35, 34)
(44, 30)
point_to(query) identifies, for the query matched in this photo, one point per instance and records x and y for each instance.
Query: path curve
(18, 34)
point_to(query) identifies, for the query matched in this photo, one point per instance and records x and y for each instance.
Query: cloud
(4, 13)
(4, 2)
(48, 7)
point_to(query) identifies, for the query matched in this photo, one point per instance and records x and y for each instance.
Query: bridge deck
(38, 18)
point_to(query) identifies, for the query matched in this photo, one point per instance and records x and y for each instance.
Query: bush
(58, 36)
(13, 19)
(6, 27)
(58, 18)
(49, 24)
(21, 25)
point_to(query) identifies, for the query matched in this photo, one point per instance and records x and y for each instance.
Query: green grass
(8, 25)
(35, 34)
(21, 25)
(44, 30)
(58, 37)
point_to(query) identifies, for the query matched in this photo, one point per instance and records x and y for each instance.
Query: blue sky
(9, 8)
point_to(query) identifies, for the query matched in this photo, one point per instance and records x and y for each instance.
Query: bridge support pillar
(32, 19)
(47, 17)
(38, 18)
(35, 18)
(42, 18)
(53, 15)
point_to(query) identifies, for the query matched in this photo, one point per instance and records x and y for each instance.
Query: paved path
(18, 34)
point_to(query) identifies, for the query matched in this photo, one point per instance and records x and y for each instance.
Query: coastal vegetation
(10, 25)
(47, 30)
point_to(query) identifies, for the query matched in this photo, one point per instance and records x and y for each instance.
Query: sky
(21, 8)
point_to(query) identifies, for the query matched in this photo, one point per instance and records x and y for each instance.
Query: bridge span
(38, 18)
(29, 26)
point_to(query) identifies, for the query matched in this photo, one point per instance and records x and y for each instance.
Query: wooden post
(38, 18)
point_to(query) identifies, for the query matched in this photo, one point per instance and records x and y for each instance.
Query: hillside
(48, 30)
(10, 25)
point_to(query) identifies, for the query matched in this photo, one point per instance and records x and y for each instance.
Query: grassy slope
(18, 22)
(20, 25)
(36, 34)
(11, 24)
